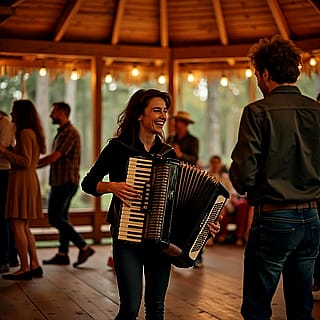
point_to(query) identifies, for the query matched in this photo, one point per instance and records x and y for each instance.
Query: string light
(162, 79)
(74, 75)
(43, 71)
(224, 81)
(190, 77)
(248, 73)
(108, 78)
(312, 61)
(135, 71)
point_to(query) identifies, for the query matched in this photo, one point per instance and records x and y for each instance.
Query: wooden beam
(220, 22)
(81, 50)
(117, 22)
(209, 53)
(316, 4)
(164, 35)
(69, 50)
(7, 11)
(279, 18)
(15, 3)
(64, 21)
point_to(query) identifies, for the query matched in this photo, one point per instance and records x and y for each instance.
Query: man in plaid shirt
(64, 180)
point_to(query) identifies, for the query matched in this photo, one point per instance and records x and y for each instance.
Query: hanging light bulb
(248, 73)
(43, 71)
(74, 75)
(135, 71)
(224, 81)
(190, 77)
(108, 78)
(162, 79)
(312, 61)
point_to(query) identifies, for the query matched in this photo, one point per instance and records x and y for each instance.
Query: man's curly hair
(280, 57)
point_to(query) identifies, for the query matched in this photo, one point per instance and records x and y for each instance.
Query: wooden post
(96, 82)
(213, 138)
(172, 70)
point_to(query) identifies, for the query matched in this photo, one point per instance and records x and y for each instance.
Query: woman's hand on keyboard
(124, 192)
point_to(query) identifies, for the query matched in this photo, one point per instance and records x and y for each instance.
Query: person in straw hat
(185, 145)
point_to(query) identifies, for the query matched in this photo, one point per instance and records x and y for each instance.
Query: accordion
(178, 201)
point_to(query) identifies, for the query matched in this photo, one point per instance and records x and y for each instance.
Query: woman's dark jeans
(130, 261)
(280, 242)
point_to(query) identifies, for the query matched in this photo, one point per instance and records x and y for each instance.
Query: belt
(288, 206)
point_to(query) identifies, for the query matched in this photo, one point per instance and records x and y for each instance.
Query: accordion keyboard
(132, 217)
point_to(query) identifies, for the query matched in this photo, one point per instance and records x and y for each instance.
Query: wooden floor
(90, 292)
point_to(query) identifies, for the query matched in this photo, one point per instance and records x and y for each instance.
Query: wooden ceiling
(209, 34)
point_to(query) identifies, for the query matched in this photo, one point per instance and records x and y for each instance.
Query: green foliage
(10, 89)
(115, 96)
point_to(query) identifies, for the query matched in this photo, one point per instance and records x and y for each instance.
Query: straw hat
(184, 116)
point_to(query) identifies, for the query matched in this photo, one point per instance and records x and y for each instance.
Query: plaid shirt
(66, 168)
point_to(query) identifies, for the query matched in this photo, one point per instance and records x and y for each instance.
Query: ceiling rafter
(164, 35)
(6, 13)
(279, 19)
(8, 9)
(316, 4)
(13, 3)
(66, 16)
(117, 21)
(220, 22)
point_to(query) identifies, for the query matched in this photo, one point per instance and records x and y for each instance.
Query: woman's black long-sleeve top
(113, 161)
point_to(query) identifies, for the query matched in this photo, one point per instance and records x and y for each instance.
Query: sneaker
(4, 267)
(58, 259)
(84, 254)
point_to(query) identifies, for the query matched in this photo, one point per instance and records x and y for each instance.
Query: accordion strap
(166, 148)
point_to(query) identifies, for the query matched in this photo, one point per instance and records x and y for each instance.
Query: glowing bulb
(190, 77)
(224, 81)
(43, 71)
(162, 79)
(74, 75)
(108, 78)
(135, 71)
(312, 61)
(248, 73)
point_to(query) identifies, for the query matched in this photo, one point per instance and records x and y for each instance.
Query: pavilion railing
(90, 225)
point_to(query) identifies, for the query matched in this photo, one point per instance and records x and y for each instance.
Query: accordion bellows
(178, 201)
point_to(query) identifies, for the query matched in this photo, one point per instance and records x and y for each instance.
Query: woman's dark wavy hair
(128, 119)
(280, 57)
(26, 116)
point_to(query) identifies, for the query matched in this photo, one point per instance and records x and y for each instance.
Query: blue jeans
(130, 260)
(58, 205)
(280, 242)
(316, 274)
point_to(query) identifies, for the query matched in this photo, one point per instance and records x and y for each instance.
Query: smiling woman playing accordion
(144, 208)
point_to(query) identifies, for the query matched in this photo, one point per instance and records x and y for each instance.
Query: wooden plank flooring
(90, 292)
